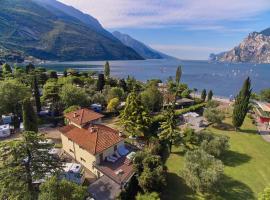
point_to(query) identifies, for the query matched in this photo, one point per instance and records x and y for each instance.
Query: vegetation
(203, 95)
(241, 105)
(29, 117)
(213, 115)
(55, 189)
(148, 196)
(201, 171)
(135, 118)
(265, 195)
(22, 163)
(169, 131)
(265, 95)
(210, 95)
(107, 70)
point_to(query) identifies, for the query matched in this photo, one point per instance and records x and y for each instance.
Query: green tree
(113, 104)
(265, 95)
(51, 96)
(12, 94)
(6, 68)
(100, 82)
(99, 98)
(265, 195)
(71, 95)
(24, 161)
(210, 95)
(53, 74)
(107, 70)
(71, 109)
(201, 172)
(65, 74)
(241, 105)
(169, 131)
(29, 117)
(55, 189)
(203, 95)
(186, 93)
(151, 172)
(36, 93)
(178, 74)
(135, 118)
(148, 196)
(216, 146)
(115, 92)
(213, 115)
(152, 98)
(29, 68)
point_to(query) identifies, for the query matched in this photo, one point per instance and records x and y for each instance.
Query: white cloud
(156, 13)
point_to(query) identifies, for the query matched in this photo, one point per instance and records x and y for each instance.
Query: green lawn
(247, 167)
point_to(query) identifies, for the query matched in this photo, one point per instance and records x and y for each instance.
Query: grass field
(247, 170)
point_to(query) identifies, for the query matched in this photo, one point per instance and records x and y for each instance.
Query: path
(265, 133)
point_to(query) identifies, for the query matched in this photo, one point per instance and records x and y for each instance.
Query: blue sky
(187, 29)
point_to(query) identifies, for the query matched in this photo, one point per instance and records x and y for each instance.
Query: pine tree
(36, 94)
(24, 161)
(107, 70)
(29, 117)
(135, 118)
(169, 131)
(203, 95)
(241, 104)
(210, 95)
(178, 75)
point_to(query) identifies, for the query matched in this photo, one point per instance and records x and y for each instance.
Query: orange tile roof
(83, 116)
(93, 139)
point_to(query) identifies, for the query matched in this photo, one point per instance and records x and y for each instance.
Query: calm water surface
(223, 79)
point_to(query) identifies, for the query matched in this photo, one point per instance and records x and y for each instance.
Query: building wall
(84, 157)
(79, 154)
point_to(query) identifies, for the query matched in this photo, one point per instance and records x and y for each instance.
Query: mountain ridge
(255, 48)
(37, 31)
(144, 50)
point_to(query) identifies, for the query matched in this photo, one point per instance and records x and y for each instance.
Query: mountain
(46, 32)
(254, 49)
(54, 6)
(142, 49)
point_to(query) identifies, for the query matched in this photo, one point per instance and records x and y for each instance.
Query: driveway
(104, 189)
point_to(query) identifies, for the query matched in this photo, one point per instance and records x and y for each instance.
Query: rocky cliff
(255, 49)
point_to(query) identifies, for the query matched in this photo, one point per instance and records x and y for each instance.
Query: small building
(97, 147)
(263, 111)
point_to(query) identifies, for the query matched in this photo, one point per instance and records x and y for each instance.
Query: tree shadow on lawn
(233, 189)
(249, 131)
(224, 127)
(233, 158)
(177, 189)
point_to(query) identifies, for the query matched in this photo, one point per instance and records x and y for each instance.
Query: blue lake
(223, 79)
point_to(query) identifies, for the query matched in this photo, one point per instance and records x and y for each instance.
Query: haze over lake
(223, 79)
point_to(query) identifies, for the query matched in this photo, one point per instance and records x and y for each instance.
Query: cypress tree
(29, 117)
(241, 104)
(65, 73)
(210, 95)
(29, 68)
(178, 74)
(100, 82)
(107, 70)
(203, 94)
(36, 93)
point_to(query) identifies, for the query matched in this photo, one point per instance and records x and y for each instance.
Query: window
(115, 148)
(71, 150)
(82, 159)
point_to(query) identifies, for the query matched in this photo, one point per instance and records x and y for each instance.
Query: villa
(97, 147)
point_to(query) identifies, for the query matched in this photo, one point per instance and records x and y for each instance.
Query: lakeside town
(88, 135)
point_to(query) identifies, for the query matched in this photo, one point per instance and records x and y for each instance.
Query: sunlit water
(223, 79)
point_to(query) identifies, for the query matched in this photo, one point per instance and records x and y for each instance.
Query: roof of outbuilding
(83, 116)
